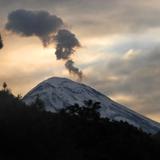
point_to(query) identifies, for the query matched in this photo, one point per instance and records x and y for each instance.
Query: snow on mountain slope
(58, 93)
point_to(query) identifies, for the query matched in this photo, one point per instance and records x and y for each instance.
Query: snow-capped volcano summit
(58, 93)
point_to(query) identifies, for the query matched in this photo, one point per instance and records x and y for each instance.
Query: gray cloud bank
(98, 17)
(137, 77)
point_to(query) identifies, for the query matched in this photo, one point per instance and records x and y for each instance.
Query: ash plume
(49, 29)
(72, 69)
(1, 42)
(67, 42)
(34, 23)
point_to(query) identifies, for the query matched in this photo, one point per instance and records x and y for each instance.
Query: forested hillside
(76, 133)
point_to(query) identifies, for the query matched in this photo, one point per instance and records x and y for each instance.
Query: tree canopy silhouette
(28, 132)
(88, 111)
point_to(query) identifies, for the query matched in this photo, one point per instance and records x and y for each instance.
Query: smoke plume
(72, 69)
(66, 45)
(34, 23)
(1, 42)
(49, 29)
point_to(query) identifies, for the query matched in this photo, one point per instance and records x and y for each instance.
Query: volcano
(57, 93)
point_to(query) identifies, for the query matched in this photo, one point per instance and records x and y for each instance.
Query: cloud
(102, 17)
(137, 77)
(34, 23)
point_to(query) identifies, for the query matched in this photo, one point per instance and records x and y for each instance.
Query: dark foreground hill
(28, 132)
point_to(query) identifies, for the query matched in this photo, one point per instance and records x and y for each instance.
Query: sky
(118, 51)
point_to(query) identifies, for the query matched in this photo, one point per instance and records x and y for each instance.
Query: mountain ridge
(57, 93)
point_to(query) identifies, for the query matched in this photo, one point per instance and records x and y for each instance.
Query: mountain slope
(58, 93)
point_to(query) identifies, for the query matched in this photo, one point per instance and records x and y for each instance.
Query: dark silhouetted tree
(39, 104)
(19, 97)
(4, 86)
(88, 111)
